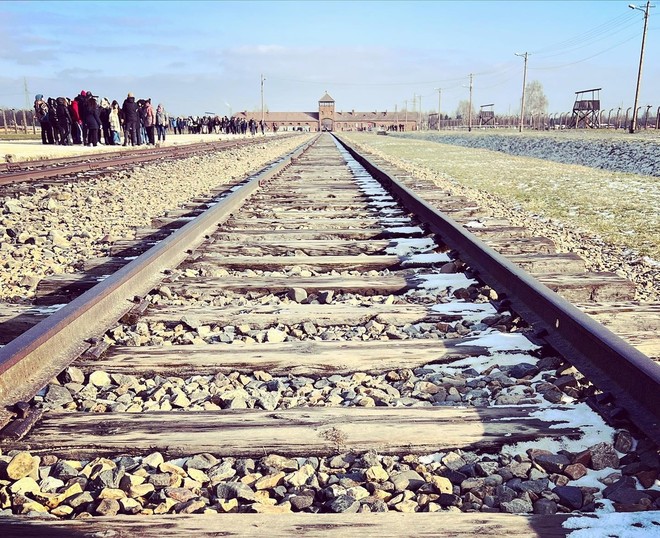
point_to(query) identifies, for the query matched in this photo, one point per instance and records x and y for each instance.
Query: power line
(577, 47)
(585, 36)
(588, 57)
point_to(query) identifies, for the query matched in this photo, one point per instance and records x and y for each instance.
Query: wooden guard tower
(586, 109)
(487, 114)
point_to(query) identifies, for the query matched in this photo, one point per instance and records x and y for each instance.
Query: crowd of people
(218, 125)
(88, 120)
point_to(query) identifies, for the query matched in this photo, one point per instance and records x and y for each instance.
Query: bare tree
(463, 108)
(535, 100)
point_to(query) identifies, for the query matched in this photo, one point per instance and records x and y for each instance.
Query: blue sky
(198, 57)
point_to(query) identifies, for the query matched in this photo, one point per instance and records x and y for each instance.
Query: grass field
(622, 209)
(11, 135)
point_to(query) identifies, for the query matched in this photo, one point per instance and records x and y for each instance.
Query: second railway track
(309, 345)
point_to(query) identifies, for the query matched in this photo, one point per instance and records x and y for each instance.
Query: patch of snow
(651, 262)
(391, 212)
(579, 416)
(619, 525)
(436, 457)
(440, 281)
(483, 362)
(382, 203)
(405, 230)
(474, 312)
(592, 478)
(404, 247)
(498, 341)
(50, 309)
(423, 259)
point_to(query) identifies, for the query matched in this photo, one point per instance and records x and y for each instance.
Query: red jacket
(76, 112)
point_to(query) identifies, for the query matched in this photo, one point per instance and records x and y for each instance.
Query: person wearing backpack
(41, 110)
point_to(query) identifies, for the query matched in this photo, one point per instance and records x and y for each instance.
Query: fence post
(25, 121)
(13, 111)
(4, 121)
(646, 117)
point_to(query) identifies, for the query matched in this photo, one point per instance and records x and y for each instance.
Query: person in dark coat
(52, 118)
(131, 120)
(104, 113)
(63, 121)
(92, 121)
(82, 99)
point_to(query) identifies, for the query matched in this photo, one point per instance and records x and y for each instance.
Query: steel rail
(29, 361)
(18, 166)
(610, 363)
(42, 169)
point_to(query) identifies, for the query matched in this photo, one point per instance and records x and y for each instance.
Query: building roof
(326, 97)
(344, 117)
(375, 116)
(282, 117)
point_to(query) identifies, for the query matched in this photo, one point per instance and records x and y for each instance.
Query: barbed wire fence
(18, 121)
(648, 117)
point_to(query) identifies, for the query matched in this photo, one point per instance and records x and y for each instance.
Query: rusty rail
(610, 363)
(29, 361)
(45, 168)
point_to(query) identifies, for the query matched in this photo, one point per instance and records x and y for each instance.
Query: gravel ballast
(599, 254)
(634, 156)
(55, 229)
(604, 469)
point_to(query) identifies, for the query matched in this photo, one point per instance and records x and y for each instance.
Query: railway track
(318, 338)
(45, 169)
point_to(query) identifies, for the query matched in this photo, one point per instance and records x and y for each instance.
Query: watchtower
(487, 115)
(586, 109)
(326, 113)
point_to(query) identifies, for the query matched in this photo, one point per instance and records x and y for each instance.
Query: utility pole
(27, 103)
(522, 100)
(439, 98)
(470, 107)
(27, 93)
(633, 123)
(262, 99)
(421, 118)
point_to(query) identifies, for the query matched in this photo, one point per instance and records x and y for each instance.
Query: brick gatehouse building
(328, 119)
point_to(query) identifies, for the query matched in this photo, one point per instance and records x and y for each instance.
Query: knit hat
(83, 93)
(38, 97)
